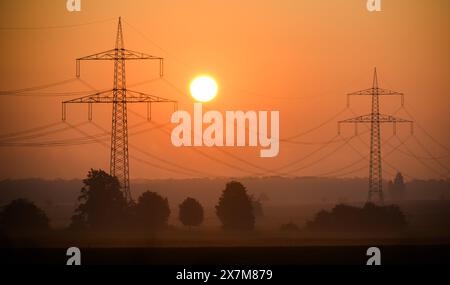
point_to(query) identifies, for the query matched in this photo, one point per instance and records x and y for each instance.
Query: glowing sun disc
(203, 88)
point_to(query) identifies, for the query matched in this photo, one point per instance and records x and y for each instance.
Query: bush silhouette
(23, 216)
(152, 211)
(235, 209)
(191, 212)
(370, 218)
(102, 204)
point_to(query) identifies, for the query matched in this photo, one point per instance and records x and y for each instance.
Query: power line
(330, 119)
(204, 154)
(322, 158)
(423, 157)
(386, 141)
(183, 168)
(307, 156)
(430, 154)
(333, 172)
(324, 144)
(144, 36)
(168, 169)
(266, 171)
(287, 139)
(351, 171)
(48, 94)
(27, 131)
(38, 87)
(54, 26)
(362, 158)
(37, 135)
(247, 162)
(311, 142)
(189, 66)
(411, 153)
(426, 132)
(396, 149)
(66, 142)
(26, 91)
(213, 158)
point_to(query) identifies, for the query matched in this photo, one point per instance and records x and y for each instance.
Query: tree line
(103, 207)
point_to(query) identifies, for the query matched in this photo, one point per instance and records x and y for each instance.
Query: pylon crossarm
(98, 97)
(140, 97)
(105, 55)
(124, 54)
(373, 118)
(130, 54)
(372, 91)
(136, 97)
(391, 119)
(132, 97)
(375, 91)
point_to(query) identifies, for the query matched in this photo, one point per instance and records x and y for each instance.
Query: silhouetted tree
(102, 204)
(23, 216)
(235, 209)
(152, 211)
(397, 188)
(191, 212)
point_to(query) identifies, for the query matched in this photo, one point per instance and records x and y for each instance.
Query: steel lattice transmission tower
(119, 96)
(375, 118)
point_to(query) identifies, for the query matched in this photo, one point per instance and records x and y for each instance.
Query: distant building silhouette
(397, 189)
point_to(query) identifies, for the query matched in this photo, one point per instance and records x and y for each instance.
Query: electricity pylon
(375, 119)
(119, 96)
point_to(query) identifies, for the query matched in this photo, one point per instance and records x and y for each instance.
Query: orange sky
(298, 57)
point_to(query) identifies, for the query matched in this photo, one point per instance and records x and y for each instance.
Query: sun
(203, 88)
